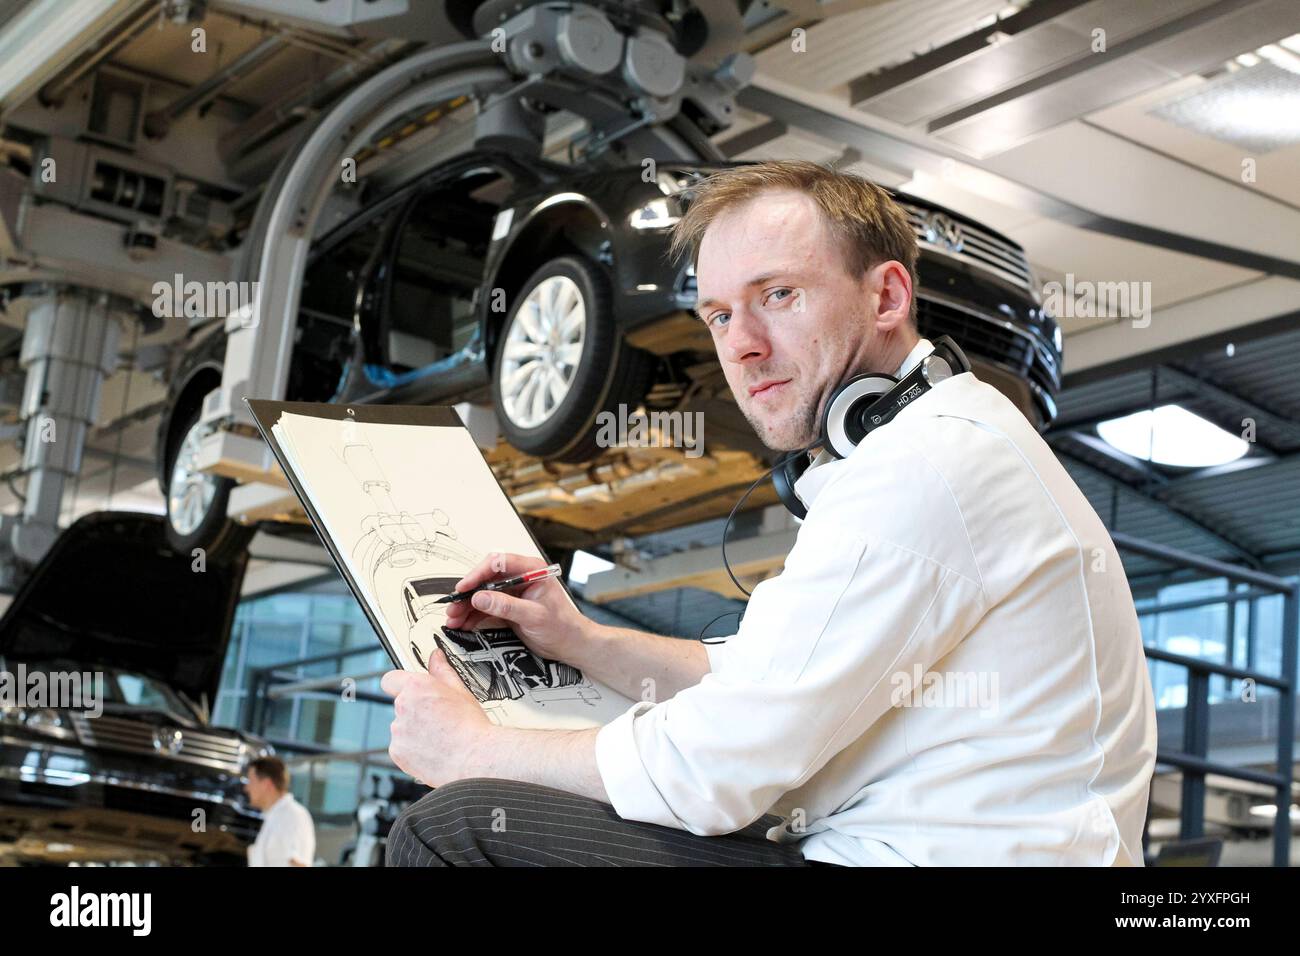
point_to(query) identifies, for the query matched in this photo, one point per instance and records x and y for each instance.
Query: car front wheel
(561, 361)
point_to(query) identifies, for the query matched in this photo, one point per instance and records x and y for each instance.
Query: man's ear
(892, 285)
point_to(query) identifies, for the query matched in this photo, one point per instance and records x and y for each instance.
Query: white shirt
(287, 834)
(949, 669)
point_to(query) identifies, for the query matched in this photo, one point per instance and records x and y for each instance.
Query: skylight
(1171, 435)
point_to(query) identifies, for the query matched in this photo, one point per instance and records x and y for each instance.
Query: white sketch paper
(411, 509)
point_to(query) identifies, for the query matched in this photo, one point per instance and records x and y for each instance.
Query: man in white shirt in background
(949, 549)
(288, 836)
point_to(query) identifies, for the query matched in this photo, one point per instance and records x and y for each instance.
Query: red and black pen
(528, 577)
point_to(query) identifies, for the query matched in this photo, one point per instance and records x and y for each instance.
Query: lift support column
(69, 347)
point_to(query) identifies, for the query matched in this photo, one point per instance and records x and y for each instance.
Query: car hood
(111, 592)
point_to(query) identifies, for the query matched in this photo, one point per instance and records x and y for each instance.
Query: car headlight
(253, 751)
(39, 720)
(658, 213)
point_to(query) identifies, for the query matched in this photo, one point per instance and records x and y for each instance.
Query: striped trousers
(489, 822)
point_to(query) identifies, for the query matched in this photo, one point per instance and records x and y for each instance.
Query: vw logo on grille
(941, 230)
(168, 741)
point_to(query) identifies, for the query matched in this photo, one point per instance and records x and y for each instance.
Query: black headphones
(862, 404)
(857, 407)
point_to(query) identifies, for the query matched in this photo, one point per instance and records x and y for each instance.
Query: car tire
(196, 515)
(566, 302)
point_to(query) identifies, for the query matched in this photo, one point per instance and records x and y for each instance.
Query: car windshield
(146, 693)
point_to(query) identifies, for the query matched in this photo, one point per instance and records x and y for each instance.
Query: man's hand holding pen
(540, 613)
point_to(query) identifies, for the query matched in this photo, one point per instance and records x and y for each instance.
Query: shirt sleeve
(815, 664)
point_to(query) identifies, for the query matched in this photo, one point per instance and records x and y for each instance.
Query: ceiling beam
(1249, 463)
(1086, 60)
(753, 138)
(1203, 386)
(1182, 515)
(1150, 477)
(867, 87)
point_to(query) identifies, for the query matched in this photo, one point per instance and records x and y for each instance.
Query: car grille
(134, 736)
(992, 339)
(970, 244)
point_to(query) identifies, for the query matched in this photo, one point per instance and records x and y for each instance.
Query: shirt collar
(919, 351)
(808, 484)
(285, 800)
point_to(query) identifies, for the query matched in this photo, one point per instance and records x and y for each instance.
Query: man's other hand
(438, 727)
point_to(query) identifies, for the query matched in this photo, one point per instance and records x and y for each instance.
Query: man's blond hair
(870, 226)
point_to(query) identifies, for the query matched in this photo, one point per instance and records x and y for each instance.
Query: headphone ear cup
(842, 425)
(784, 476)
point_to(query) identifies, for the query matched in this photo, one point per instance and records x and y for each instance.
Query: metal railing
(274, 681)
(1193, 759)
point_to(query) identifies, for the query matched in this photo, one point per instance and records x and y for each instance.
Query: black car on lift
(121, 773)
(547, 291)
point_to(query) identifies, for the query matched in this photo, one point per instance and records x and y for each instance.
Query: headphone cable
(726, 527)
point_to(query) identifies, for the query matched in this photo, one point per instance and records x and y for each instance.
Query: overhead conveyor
(639, 96)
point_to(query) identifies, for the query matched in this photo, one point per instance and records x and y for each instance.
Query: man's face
(785, 313)
(260, 790)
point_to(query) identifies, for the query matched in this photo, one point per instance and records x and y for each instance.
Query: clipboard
(266, 413)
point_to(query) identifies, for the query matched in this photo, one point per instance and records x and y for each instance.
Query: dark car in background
(141, 775)
(547, 292)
